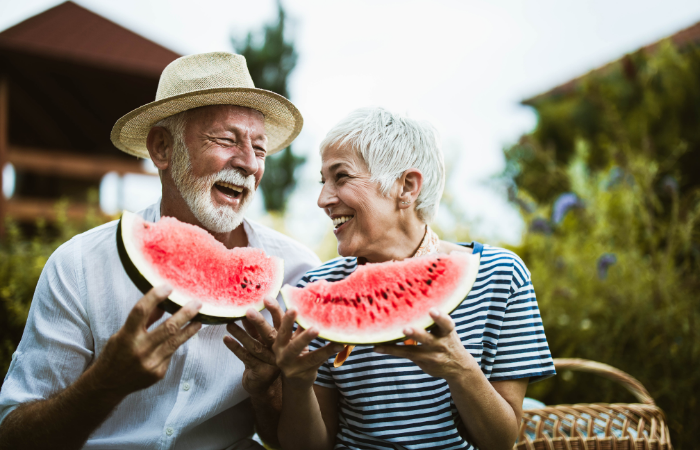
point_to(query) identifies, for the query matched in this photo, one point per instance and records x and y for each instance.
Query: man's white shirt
(83, 297)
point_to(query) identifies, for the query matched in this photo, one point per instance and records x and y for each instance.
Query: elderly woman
(463, 385)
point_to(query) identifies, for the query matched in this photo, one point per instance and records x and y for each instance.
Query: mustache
(236, 177)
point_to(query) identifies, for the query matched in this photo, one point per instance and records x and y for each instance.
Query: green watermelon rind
(395, 334)
(143, 275)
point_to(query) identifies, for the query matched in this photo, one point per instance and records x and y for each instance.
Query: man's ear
(411, 184)
(160, 146)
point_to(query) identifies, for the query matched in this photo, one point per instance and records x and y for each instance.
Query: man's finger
(250, 329)
(275, 311)
(167, 348)
(242, 354)
(155, 316)
(172, 326)
(443, 321)
(266, 332)
(142, 310)
(253, 346)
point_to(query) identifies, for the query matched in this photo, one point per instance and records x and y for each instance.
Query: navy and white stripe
(390, 403)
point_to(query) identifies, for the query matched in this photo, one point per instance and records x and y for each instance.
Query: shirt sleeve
(522, 350)
(57, 345)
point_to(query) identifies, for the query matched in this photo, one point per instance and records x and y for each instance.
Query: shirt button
(186, 386)
(169, 431)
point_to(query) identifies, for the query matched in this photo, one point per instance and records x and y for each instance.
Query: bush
(608, 186)
(22, 259)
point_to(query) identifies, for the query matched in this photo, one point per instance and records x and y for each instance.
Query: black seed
(430, 269)
(243, 286)
(371, 300)
(257, 287)
(384, 295)
(428, 282)
(401, 287)
(434, 265)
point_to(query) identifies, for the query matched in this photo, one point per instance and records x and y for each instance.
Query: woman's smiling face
(364, 219)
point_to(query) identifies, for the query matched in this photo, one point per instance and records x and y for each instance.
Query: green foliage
(617, 278)
(271, 59)
(22, 259)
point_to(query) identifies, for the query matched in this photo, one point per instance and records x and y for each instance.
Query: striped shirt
(387, 402)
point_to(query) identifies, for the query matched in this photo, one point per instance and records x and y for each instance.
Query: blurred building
(66, 76)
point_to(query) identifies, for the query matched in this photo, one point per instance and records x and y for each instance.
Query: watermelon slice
(227, 282)
(377, 301)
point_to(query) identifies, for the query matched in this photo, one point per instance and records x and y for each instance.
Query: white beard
(196, 191)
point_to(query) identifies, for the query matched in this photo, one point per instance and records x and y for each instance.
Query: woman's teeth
(338, 221)
(233, 187)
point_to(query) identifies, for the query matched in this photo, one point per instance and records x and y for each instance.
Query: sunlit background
(462, 65)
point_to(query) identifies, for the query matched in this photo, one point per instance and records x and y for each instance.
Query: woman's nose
(327, 196)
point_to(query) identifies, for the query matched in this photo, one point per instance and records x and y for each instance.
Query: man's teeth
(338, 221)
(233, 187)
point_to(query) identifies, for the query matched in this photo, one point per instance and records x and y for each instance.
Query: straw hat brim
(283, 121)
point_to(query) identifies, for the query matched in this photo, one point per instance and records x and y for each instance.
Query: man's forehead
(228, 116)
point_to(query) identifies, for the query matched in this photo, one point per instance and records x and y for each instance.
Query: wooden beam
(68, 164)
(29, 210)
(4, 139)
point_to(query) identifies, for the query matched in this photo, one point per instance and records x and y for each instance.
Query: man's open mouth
(338, 221)
(229, 189)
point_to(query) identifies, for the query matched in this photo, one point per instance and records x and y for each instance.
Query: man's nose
(244, 159)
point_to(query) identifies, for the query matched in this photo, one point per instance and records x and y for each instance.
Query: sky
(463, 65)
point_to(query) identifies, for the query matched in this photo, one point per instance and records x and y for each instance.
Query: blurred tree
(271, 59)
(608, 185)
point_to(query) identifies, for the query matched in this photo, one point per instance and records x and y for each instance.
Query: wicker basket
(598, 426)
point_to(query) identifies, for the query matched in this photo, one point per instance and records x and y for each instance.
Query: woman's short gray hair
(390, 144)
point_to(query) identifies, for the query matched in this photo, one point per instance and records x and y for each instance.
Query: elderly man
(100, 366)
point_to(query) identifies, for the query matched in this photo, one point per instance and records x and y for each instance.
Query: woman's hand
(299, 366)
(440, 353)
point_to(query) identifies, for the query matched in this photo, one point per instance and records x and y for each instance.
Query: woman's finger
(412, 352)
(444, 323)
(419, 335)
(285, 332)
(275, 311)
(253, 346)
(296, 346)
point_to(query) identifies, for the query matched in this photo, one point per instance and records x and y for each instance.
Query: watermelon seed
(243, 286)
(434, 265)
(409, 303)
(386, 310)
(384, 295)
(401, 287)
(371, 300)
(257, 287)
(428, 282)
(145, 225)
(409, 283)
(371, 314)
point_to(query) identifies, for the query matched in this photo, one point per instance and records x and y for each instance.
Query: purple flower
(604, 262)
(563, 204)
(540, 225)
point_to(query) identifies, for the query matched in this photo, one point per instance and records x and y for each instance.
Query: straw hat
(217, 78)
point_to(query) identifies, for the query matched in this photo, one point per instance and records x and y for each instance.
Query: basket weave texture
(598, 426)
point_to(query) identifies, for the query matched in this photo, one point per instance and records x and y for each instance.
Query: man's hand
(135, 358)
(254, 348)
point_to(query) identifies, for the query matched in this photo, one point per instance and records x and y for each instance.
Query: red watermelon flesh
(376, 302)
(227, 281)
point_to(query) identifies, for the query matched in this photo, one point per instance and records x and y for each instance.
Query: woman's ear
(160, 146)
(411, 185)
